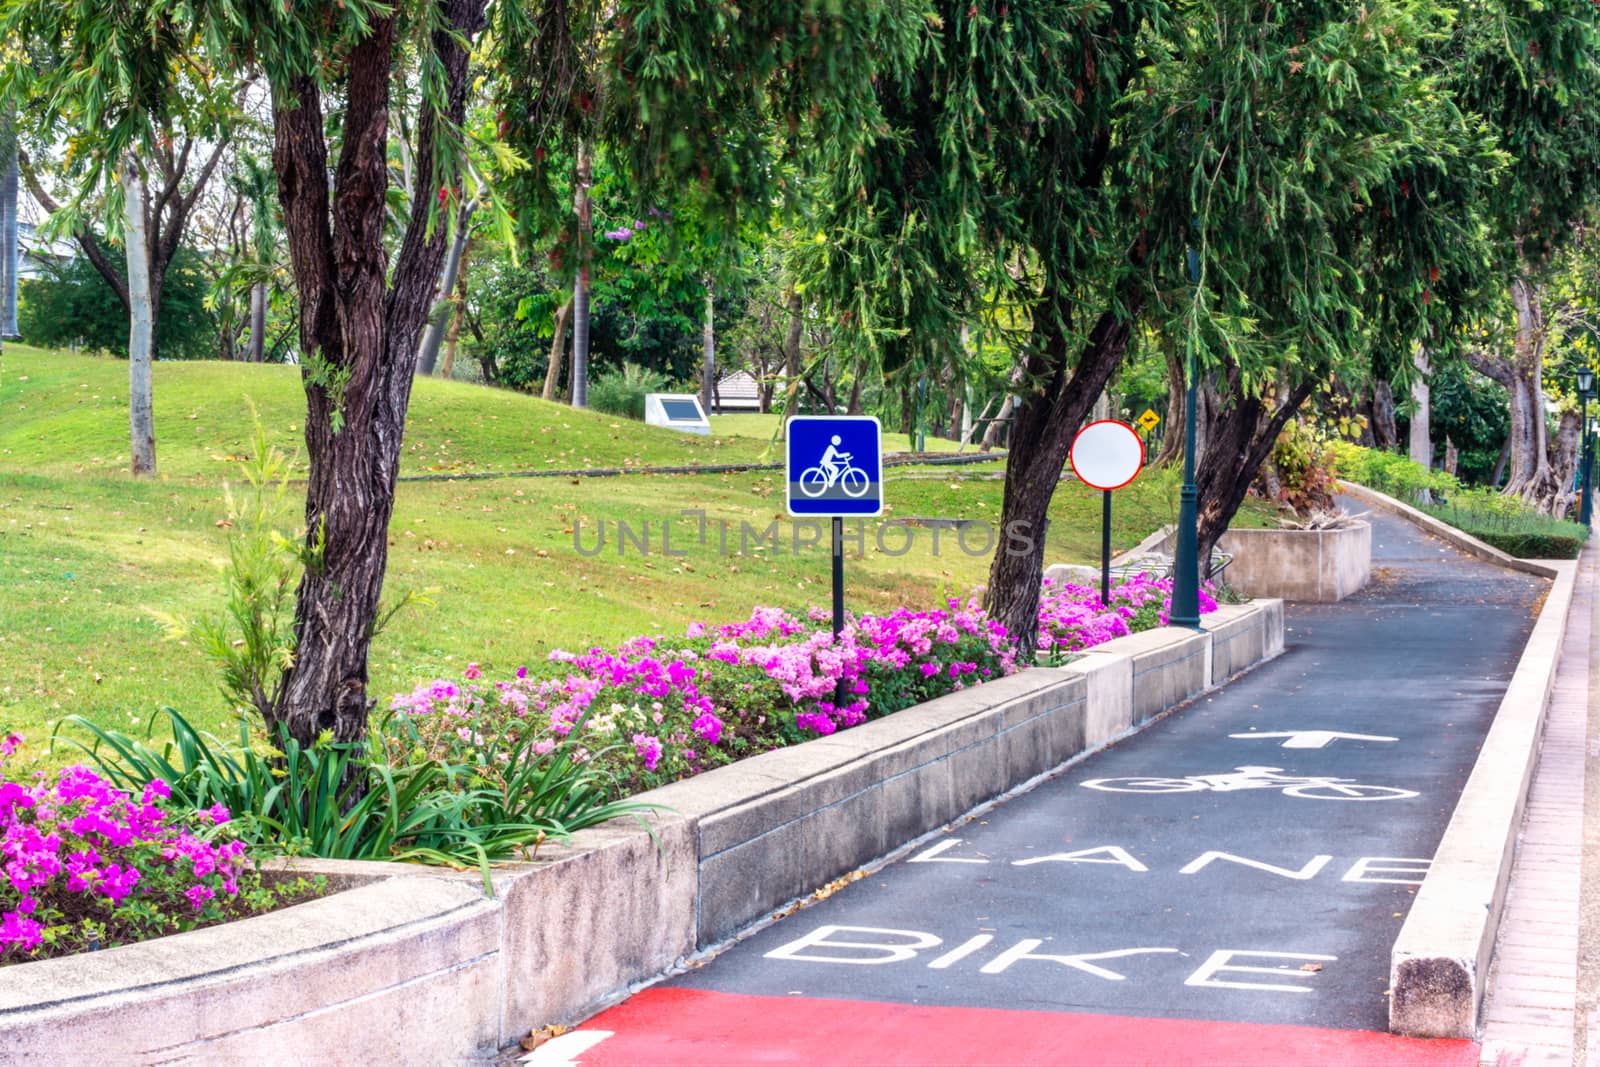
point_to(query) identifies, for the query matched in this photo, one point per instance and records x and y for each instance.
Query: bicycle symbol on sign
(834, 469)
(1314, 788)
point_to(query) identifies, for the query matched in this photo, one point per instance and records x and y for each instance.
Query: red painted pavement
(689, 1026)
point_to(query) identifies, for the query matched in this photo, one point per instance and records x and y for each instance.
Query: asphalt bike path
(1224, 886)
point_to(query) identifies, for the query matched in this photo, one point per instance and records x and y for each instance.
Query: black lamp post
(1588, 463)
(1585, 389)
(1186, 555)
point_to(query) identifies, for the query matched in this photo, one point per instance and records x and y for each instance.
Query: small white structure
(676, 411)
(738, 391)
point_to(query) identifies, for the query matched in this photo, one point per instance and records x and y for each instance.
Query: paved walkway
(1224, 887)
(1530, 1012)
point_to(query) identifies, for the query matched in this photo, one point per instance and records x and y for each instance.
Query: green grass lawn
(87, 554)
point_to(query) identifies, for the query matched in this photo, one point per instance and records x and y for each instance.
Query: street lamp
(1186, 554)
(1585, 389)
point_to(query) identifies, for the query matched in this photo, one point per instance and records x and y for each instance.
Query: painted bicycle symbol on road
(1313, 788)
(834, 469)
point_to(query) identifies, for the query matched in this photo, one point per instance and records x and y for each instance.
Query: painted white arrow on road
(1312, 738)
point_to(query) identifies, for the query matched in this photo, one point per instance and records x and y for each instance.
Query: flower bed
(88, 866)
(659, 709)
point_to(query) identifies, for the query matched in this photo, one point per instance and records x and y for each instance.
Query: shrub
(88, 865)
(622, 392)
(1507, 524)
(1072, 617)
(659, 709)
(394, 799)
(77, 307)
(1495, 518)
(1305, 466)
(1390, 473)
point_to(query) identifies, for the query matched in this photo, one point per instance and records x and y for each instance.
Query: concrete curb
(1439, 965)
(1445, 532)
(351, 974)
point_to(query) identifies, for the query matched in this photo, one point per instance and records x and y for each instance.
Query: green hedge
(1532, 545)
(1499, 520)
(1526, 535)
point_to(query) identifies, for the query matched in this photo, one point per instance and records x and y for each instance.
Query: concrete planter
(1316, 565)
(352, 975)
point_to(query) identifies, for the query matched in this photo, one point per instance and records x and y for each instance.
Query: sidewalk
(1530, 1013)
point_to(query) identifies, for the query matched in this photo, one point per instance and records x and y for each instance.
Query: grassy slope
(86, 552)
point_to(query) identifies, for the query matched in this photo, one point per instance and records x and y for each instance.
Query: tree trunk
(552, 374)
(1240, 440)
(360, 323)
(141, 326)
(434, 336)
(791, 360)
(1500, 463)
(1177, 396)
(580, 285)
(908, 412)
(1060, 393)
(458, 313)
(1528, 433)
(10, 253)
(1452, 456)
(708, 352)
(1420, 443)
(257, 352)
(1385, 434)
(991, 433)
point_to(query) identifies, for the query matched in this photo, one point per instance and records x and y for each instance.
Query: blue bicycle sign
(835, 466)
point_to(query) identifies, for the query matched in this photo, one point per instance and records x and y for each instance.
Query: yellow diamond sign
(1148, 420)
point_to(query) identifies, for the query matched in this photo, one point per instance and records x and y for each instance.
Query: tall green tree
(1531, 69)
(332, 72)
(1329, 189)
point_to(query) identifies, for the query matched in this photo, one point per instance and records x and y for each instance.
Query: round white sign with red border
(1107, 454)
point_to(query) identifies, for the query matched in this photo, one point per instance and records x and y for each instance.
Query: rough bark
(558, 345)
(580, 285)
(141, 324)
(359, 327)
(1060, 392)
(1240, 440)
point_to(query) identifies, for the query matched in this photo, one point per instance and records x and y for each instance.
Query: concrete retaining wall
(1439, 966)
(352, 974)
(1315, 565)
